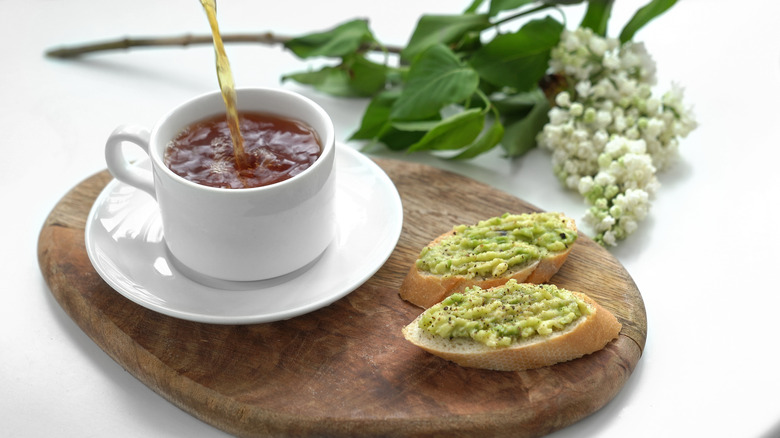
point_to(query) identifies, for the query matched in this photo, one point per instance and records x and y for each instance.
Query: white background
(703, 261)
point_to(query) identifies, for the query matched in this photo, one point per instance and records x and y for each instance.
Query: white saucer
(125, 244)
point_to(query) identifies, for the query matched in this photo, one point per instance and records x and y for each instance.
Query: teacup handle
(120, 167)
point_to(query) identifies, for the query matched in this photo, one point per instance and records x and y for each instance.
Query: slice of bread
(588, 333)
(425, 288)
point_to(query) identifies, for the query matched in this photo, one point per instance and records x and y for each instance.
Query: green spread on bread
(499, 316)
(493, 246)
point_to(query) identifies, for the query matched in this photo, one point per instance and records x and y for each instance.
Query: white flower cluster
(608, 134)
(620, 191)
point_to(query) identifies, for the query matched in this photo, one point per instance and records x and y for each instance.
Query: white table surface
(706, 250)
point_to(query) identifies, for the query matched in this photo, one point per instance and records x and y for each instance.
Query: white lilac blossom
(607, 133)
(619, 194)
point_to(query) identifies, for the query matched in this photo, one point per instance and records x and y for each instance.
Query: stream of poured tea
(226, 85)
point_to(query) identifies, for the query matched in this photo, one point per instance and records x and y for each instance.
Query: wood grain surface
(345, 370)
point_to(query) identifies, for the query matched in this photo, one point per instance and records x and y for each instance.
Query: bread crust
(589, 334)
(425, 289)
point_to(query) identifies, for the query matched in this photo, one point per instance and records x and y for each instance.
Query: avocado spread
(499, 316)
(494, 245)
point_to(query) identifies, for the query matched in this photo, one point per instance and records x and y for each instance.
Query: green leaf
(644, 16)
(376, 117)
(400, 140)
(497, 6)
(518, 60)
(473, 6)
(340, 41)
(329, 80)
(520, 136)
(441, 29)
(376, 125)
(597, 16)
(467, 44)
(421, 125)
(436, 78)
(487, 141)
(454, 132)
(366, 78)
(517, 105)
(356, 76)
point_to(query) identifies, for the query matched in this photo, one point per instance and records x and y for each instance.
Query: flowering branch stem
(520, 14)
(266, 38)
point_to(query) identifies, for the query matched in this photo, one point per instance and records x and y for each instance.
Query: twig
(266, 38)
(185, 40)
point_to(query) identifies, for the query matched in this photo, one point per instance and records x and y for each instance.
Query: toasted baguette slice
(425, 289)
(585, 335)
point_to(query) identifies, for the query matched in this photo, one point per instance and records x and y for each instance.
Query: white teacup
(236, 234)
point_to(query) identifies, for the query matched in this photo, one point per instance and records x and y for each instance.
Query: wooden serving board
(345, 370)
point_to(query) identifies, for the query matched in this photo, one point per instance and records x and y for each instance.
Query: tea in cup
(263, 219)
